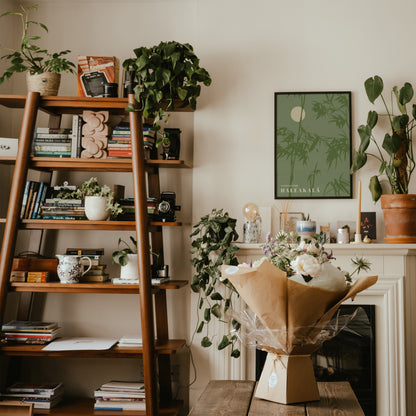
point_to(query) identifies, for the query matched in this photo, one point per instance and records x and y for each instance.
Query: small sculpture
(94, 134)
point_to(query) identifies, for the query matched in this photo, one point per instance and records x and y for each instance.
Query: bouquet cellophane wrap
(294, 315)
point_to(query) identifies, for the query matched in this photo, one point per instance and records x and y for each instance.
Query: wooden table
(236, 398)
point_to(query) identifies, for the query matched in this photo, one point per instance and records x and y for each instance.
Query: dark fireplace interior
(350, 356)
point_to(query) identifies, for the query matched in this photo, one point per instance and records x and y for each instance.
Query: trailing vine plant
(211, 248)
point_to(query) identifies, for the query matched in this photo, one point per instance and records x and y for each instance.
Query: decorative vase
(96, 208)
(131, 270)
(399, 217)
(306, 229)
(70, 267)
(46, 83)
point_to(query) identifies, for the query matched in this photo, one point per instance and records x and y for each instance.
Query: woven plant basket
(46, 83)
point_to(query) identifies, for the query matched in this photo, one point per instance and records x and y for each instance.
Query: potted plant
(212, 247)
(127, 258)
(168, 73)
(43, 68)
(395, 157)
(98, 200)
(305, 227)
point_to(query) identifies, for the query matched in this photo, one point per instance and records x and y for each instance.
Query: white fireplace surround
(394, 297)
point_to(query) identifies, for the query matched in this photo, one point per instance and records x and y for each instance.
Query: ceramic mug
(70, 267)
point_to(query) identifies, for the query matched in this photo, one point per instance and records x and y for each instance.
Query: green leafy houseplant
(30, 57)
(211, 247)
(91, 187)
(396, 159)
(167, 72)
(120, 256)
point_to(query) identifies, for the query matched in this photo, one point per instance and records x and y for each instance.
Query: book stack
(97, 273)
(29, 332)
(130, 341)
(42, 395)
(119, 144)
(119, 396)
(56, 207)
(34, 195)
(52, 142)
(127, 205)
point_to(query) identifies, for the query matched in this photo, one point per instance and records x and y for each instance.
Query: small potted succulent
(98, 200)
(43, 68)
(394, 154)
(166, 73)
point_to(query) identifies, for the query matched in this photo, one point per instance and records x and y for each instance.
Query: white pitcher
(70, 267)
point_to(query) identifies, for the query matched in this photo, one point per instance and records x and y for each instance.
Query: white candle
(358, 230)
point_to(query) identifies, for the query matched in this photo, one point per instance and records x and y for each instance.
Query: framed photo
(312, 156)
(288, 220)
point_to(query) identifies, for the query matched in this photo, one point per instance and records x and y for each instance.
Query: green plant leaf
(365, 134)
(216, 296)
(200, 327)
(375, 188)
(391, 144)
(358, 161)
(373, 87)
(205, 342)
(372, 119)
(235, 353)
(207, 314)
(216, 310)
(224, 342)
(406, 93)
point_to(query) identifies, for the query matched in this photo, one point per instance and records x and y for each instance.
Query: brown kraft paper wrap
(294, 314)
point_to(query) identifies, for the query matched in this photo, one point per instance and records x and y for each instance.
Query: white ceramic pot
(96, 208)
(131, 270)
(306, 229)
(46, 83)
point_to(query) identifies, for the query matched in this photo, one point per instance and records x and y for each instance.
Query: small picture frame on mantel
(368, 225)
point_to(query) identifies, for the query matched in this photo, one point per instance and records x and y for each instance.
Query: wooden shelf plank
(169, 347)
(95, 165)
(57, 287)
(87, 225)
(73, 105)
(85, 407)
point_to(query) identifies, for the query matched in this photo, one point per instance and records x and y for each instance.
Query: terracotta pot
(46, 83)
(399, 218)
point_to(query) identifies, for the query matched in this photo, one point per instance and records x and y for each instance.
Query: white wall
(251, 49)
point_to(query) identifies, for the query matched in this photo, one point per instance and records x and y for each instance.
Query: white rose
(306, 265)
(257, 263)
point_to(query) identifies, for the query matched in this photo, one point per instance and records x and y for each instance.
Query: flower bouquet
(294, 291)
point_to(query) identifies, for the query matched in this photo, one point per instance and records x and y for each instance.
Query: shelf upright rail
(143, 258)
(16, 194)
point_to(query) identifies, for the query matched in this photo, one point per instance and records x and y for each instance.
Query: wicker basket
(46, 83)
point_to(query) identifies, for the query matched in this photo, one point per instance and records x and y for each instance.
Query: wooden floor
(236, 398)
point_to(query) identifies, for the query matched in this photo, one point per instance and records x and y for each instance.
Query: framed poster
(312, 156)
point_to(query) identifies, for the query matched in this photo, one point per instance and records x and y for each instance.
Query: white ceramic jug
(70, 267)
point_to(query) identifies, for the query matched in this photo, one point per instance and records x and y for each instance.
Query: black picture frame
(313, 145)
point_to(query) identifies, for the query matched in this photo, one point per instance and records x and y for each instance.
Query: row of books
(42, 395)
(29, 332)
(120, 395)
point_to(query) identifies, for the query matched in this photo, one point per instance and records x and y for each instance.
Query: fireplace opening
(349, 356)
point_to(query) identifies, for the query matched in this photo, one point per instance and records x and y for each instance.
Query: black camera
(166, 208)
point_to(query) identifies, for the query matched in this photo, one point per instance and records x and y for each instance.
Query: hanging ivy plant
(211, 248)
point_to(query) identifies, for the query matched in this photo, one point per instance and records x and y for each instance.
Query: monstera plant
(394, 154)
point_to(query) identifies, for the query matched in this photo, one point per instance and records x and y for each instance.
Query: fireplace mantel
(395, 298)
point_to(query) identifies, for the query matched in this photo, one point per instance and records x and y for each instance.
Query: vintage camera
(166, 208)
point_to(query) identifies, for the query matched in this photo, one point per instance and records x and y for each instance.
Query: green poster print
(313, 145)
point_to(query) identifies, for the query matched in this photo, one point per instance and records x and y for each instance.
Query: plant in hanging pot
(167, 73)
(43, 68)
(98, 200)
(395, 157)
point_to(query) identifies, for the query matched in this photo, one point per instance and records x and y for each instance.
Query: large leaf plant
(212, 247)
(170, 73)
(395, 152)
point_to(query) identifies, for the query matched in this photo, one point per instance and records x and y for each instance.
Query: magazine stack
(42, 395)
(29, 332)
(120, 395)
